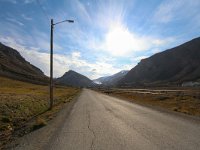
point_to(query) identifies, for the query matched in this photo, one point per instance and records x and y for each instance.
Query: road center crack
(89, 127)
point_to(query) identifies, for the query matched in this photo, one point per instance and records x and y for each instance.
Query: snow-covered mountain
(111, 80)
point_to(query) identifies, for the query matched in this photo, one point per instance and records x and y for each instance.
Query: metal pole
(51, 66)
(51, 61)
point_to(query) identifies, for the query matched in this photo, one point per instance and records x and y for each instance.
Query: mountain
(171, 67)
(13, 65)
(72, 78)
(111, 80)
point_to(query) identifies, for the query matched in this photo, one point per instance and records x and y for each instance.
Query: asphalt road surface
(101, 122)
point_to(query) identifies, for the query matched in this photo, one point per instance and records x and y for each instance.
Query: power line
(44, 12)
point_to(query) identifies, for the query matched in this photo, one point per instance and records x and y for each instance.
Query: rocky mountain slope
(171, 67)
(74, 79)
(13, 65)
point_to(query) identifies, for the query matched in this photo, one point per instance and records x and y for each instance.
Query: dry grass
(21, 101)
(185, 101)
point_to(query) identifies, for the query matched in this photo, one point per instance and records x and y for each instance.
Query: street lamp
(51, 60)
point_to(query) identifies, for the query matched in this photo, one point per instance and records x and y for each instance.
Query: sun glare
(119, 41)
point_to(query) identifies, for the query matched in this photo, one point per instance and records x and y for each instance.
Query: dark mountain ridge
(74, 79)
(13, 65)
(171, 67)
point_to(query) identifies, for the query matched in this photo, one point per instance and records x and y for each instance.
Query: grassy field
(181, 100)
(21, 102)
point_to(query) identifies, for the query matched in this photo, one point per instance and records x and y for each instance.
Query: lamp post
(51, 60)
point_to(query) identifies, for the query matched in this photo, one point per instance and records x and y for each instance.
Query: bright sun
(120, 41)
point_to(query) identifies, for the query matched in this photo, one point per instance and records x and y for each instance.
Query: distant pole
(51, 67)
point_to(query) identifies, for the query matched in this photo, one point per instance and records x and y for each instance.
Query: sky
(107, 36)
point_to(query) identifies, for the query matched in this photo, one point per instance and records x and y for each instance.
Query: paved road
(101, 122)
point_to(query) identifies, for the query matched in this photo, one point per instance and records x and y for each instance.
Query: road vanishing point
(100, 122)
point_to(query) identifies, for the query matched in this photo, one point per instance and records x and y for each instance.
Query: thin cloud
(81, 11)
(15, 21)
(26, 17)
(28, 1)
(15, 1)
(175, 10)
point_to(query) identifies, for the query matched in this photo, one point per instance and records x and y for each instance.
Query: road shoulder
(39, 138)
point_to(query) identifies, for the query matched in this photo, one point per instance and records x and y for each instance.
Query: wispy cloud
(175, 10)
(109, 13)
(81, 10)
(15, 21)
(33, 38)
(15, 1)
(26, 17)
(28, 1)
